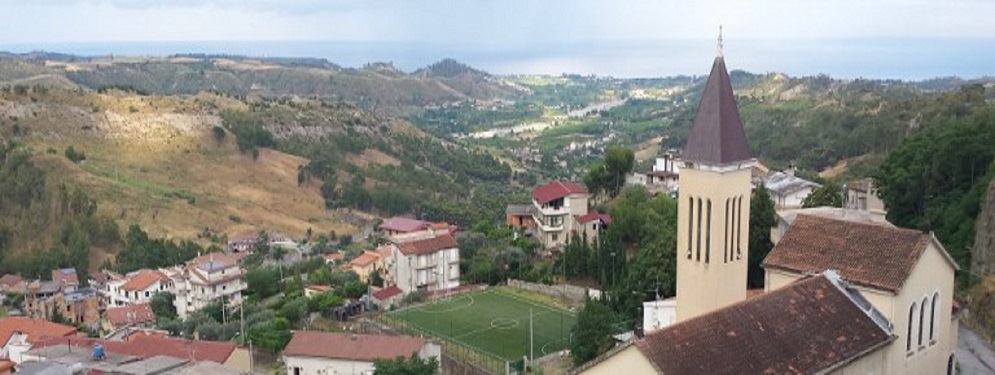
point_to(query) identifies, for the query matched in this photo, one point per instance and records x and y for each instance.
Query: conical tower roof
(717, 135)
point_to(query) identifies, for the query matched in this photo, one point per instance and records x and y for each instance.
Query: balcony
(553, 211)
(543, 226)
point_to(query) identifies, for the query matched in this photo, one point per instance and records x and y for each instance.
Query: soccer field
(493, 321)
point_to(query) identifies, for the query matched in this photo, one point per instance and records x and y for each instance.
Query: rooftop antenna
(720, 41)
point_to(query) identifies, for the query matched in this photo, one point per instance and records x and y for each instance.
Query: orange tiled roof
(870, 255)
(143, 279)
(35, 329)
(350, 346)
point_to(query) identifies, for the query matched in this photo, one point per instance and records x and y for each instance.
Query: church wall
(884, 302)
(931, 274)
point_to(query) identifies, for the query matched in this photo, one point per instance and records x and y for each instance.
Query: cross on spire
(720, 41)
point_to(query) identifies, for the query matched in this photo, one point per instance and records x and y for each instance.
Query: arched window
(690, 224)
(912, 321)
(708, 232)
(739, 227)
(697, 255)
(932, 318)
(922, 319)
(950, 365)
(725, 238)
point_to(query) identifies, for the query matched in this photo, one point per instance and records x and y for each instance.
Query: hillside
(377, 86)
(154, 161)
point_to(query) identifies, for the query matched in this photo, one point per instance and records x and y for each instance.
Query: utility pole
(531, 340)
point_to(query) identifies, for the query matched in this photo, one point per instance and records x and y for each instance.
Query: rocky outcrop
(983, 253)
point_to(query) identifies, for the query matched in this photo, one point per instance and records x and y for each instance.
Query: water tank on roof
(98, 351)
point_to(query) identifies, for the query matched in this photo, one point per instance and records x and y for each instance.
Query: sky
(762, 31)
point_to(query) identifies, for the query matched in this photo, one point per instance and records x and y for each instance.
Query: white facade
(302, 365)
(201, 283)
(554, 220)
(436, 270)
(118, 293)
(659, 314)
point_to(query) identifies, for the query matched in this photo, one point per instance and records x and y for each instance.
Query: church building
(842, 295)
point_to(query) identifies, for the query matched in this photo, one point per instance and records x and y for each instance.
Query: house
(425, 261)
(365, 264)
(787, 190)
(319, 353)
(18, 334)
(399, 225)
(139, 346)
(591, 225)
(66, 278)
(140, 315)
(136, 287)
(12, 284)
(385, 298)
(905, 274)
(76, 306)
(245, 243)
(205, 279)
(814, 326)
(518, 216)
(862, 195)
(555, 205)
(312, 290)
(333, 258)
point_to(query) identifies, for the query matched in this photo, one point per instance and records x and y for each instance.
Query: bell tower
(714, 202)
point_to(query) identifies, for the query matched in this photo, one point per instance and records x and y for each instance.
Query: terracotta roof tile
(351, 347)
(133, 314)
(65, 276)
(367, 258)
(806, 327)
(387, 292)
(146, 346)
(594, 215)
(9, 280)
(143, 279)
(403, 224)
(871, 255)
(34, 328)
(556, 190)
(717, 134)
(429, 245)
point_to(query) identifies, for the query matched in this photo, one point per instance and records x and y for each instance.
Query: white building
(556, 205)
(205, 279)
(425, 260)
(324, 353)
(787, 190)
(137, 287)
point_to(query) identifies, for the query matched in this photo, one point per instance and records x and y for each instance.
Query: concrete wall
(628, 361)
(574, 294)
(870, 364)
(712, 254)
(323, 366)
(239, 360)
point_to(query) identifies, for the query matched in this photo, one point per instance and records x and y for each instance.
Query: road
(973, 355)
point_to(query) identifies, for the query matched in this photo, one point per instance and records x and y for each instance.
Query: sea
(872, 58)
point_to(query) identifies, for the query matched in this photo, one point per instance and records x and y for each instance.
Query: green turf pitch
(495, 322)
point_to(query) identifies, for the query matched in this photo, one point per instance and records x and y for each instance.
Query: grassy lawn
(495, 322)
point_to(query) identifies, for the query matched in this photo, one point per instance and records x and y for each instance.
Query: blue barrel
(98, 351)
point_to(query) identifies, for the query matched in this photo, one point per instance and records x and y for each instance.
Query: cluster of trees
(140, 251)
(249, 132)
(608, 175)
(935, 179)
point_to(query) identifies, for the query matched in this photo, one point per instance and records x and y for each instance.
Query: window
(725, 238)
(697, 247)
(690, 224)
(912, 320)
(708, 233)
(556, 237)
(932, 319)
(146, 294)
(922, 318)
(739, 227)
(950, 365)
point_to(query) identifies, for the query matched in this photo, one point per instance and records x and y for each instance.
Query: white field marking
(485, 329)
(545, 307)
(421, 308)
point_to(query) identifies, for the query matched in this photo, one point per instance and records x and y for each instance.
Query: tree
(412, 366)
(162, 305)
(829, 194)
(218, 133)
(294, 310)
(762, 219)
(608, 175)
(618, 162)
(272, 335)
(592, 334)
(74, 156)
